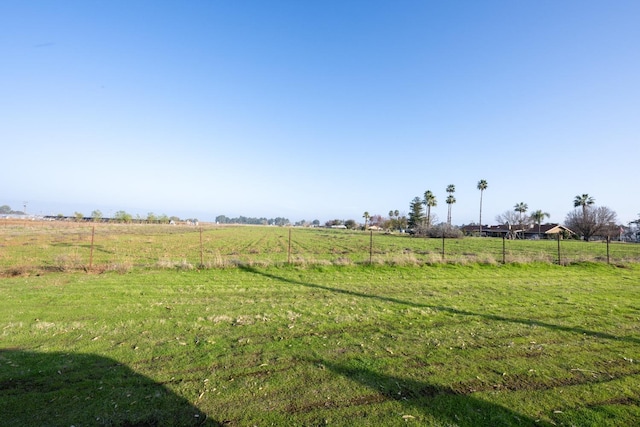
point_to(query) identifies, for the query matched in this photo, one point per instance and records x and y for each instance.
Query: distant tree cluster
(395, 221)
(123, 216)
(421, 220)
(126, 218)
(305, 223)
(279, 221)
(586, 221)
(151, 218)
(6, 210)
(163, 219)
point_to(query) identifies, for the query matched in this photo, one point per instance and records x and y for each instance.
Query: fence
(64, 246)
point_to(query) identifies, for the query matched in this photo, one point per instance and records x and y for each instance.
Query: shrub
(437, 231)
(67, 262)
(120, 267)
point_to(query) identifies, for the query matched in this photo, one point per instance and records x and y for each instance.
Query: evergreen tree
(416, 214)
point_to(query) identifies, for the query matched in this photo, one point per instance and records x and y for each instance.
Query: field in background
(27, 247)
(443, 344)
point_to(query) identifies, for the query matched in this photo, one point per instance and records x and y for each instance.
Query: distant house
(546, 231)
(512, 231)
(505, 230)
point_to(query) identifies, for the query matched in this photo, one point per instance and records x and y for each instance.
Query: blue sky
(318, 109)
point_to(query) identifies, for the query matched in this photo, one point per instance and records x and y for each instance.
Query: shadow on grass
(66, 389)
(440, 403)
(444, 405)
(577, 330)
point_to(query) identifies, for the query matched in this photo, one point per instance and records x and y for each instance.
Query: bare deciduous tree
(592, 222)
(508, 217)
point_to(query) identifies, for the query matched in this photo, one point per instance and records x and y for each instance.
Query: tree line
(279, 221)
(586, 220)
(6, 210)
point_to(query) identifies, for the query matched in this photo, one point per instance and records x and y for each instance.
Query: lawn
(441, 344)
(28, 248)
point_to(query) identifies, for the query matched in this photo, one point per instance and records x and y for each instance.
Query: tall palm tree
(429, 201)
(366, 217)
(538, 216)
(585, 201)
(450, 201)
(482, 185)
(521, 208)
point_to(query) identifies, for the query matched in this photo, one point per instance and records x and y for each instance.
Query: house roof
(549, 229)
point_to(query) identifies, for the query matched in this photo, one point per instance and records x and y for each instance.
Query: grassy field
(442, 344)
(28, 248)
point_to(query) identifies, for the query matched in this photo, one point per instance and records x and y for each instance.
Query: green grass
(441, 344)
(55, 246)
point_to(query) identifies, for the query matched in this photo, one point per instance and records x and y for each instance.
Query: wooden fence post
(504, 249)
(442, 243)
(559, 259)
(201, 250)
(370, 247)
(289, 249)
(608, 259)
(93, 233)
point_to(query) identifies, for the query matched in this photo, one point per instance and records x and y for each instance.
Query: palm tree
(521, 208)
(450, 201)
(538, 216)
(584, 200)
(429, 201)
(394, 222)
(366, 217)
(482, 185)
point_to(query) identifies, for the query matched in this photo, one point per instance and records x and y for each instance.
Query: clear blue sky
(318, 109)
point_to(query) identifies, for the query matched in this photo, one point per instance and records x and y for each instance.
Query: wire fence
(33, 246)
